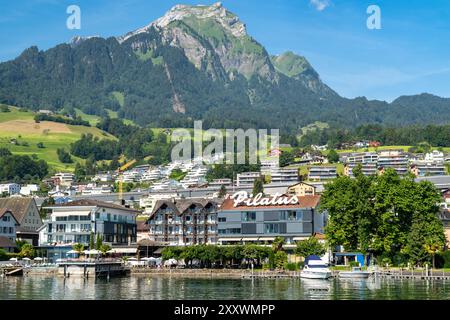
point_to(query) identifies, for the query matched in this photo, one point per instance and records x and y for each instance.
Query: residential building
(362, 157)
(103, 177)
(9, 189)
(284, 175)
(435, 157)
(394, 159)
(241, 223)
(64, 179)
(27, 215)
(322, 173)
(247, 178)
(428, 169)
(184, 221)
(93, 189)
(368, 169)
(29, 189)
(8, 225)
(148, 203)
(301, 189)
(221, 182)
(76, 221)
(267, 166)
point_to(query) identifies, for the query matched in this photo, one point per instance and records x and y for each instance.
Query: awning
(267, 238)
(230, 239)
(70, 213)
(299, 238)
(123, 250)
(250, 239)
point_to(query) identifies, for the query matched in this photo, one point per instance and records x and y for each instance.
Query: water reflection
(164, 287)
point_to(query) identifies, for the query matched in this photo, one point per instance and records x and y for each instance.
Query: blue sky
(409, 55)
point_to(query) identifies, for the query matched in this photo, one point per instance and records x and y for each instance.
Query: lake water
(165, 287)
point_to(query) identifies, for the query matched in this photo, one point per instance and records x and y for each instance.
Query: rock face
(213, 39)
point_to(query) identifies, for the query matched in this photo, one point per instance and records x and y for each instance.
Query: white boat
(356, 273)
(315, 268)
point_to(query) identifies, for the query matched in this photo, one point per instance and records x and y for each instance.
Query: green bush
(290, 266)
(445, 258)
(353, 264)
(3, 255)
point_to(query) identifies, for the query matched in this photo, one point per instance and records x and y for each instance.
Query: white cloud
(320, 4)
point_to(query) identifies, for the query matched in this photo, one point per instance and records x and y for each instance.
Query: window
(222, 219)
(115, 217)
(248, 216)
(108, 216)
(10, 230)
(271, 228)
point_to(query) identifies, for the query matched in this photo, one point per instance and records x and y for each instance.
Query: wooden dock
(413, 274)
(12, 271)
(382, 274)
(96, 269)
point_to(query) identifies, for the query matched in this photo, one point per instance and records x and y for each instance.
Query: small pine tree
(99, 242)
(222, 192)
(91, 241)
(258, 187)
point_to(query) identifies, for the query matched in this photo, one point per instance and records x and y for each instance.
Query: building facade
(8, 224)
(179, 222)
(242, 223)
(27, 215)
(76, 221)
(9, 188)
(301, 189)
(322, 173)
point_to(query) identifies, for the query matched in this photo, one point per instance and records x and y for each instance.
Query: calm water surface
(164, 287)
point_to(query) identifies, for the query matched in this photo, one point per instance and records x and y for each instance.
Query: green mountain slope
(195, 62)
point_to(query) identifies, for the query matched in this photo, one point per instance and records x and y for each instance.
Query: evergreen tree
(222, 192)
(91, 241)
(258, 187)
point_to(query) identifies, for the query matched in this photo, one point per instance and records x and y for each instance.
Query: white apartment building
(247, 178)
(284, 175)
(148, 203)
(9, 188)
(29, 189)
(435, 157)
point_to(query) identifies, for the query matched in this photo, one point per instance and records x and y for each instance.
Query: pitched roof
(6, 210)
(93, 203)
(179, 206)
(142, 226)
(303, 202)
(6, 243)
(18, 206)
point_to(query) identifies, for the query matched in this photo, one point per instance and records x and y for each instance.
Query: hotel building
(179, 222)
(261, 224)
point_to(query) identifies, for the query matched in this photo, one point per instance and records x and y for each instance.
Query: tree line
(392, 217)
(232, 256)
(19, 168)
(76, 121)
(435, 135)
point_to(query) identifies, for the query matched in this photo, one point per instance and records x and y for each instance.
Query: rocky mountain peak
(180, 12)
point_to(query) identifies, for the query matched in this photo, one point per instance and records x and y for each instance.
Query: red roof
(303, 202)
